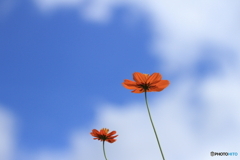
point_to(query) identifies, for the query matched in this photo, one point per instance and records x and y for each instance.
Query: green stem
(104, 151)
(153, 125)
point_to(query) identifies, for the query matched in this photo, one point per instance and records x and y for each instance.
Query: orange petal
(129, 84)
(155, 77)
(155, 89)
(94, 132)
(163, 84)
(113, 136)
(139, 77)
(138, 90)
(111, 140)
(112, 133)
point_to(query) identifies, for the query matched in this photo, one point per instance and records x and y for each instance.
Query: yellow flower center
(145, 74)
(105, 130)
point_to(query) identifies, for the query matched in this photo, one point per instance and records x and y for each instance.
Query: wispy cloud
(179, 29)
(49, 5)
(7, 134)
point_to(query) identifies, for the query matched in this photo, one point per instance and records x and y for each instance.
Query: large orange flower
(146, 83)
(103, 135)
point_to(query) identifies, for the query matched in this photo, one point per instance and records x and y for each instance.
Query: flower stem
(153, 125)
(104, 151)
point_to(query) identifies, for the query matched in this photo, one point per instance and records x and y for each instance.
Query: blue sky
(62, 64)
(55, 69)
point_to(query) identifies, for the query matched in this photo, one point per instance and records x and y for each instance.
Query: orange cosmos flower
(146, 83)
(103, 135)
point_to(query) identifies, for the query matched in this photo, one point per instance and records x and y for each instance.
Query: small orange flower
(103, 135)
(146, 83)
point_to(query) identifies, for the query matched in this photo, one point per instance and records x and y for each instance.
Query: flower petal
(155, 89)
(154, 78)
(94, 133)
(111, 133)
(139, 77)
(138, 90)
(129, 84)
(159, 86)
(113, 137)
(163, 84)
(111, 140)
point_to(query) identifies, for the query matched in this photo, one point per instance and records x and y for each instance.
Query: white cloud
(7, 134)
(48, 5)
(179, 28)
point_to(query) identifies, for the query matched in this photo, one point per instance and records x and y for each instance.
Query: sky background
(62, 63)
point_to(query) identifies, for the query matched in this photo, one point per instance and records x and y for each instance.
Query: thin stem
(153, 125)
(104, 151)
